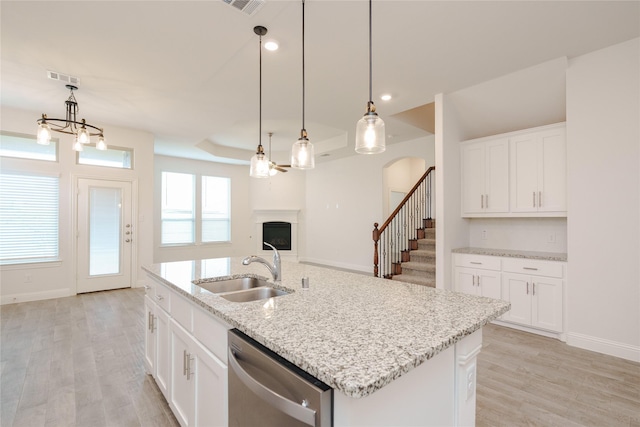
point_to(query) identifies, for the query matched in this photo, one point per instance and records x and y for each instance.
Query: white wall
(343, 200)
(400, 176)
(451, 230)
(603, 156)
(526, 234)
(241, 226)
(52, 280)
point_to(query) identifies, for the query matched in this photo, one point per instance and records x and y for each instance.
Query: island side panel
(423, 396)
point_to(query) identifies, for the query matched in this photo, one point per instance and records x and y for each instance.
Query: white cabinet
(150, 336)
(477, 275)
(535, 301)
(485, 176)
(538, 171)
(534, 289)
(198, 381)
(185, 351)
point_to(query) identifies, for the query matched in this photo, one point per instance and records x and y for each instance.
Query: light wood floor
(79, 361)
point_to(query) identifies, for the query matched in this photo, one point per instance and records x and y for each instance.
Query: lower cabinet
(484, 283)
(186, 355)
(535, 301)
(198, 381)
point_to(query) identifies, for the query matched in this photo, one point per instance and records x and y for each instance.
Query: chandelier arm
(68, 123)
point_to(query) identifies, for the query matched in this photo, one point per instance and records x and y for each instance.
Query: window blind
(28, 218)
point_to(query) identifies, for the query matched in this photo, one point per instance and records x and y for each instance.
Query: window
(195, 209)
(28, 218)
(26, 147)
(111, 157)
(215, 209)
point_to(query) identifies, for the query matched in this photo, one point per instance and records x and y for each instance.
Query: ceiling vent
(249, 7)
(54, 75)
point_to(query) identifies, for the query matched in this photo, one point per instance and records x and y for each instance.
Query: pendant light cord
(370, 58)
(303, 98)
(260, 97)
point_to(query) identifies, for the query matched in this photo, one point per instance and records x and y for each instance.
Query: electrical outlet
(484, 235)
(551, 238)
(27, 277)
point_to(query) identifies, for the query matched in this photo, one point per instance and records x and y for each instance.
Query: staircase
(405, 244)
(419, 265)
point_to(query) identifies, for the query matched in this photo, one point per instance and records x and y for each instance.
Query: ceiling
(187, 71)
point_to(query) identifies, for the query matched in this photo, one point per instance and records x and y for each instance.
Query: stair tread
(416, 280)
(414, 265)
(423, 252)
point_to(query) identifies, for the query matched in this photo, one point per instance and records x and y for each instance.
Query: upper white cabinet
(485, 176)
(517, 174)
(538, 171)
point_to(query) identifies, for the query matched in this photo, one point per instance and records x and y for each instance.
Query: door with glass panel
(105, 235)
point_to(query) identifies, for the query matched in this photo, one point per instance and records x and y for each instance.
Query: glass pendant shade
(77, 145)
(370, 134)
(83, 136)
(302, 156)
(44, 134)
(259, 166)
(101, 145)
(272, 169)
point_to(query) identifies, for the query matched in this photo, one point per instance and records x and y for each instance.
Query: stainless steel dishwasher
(267, 390)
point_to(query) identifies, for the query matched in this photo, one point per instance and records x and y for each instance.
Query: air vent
(54, 75)
(249, 7)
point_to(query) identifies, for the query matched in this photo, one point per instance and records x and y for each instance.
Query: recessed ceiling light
(271, 45)
(385, 97)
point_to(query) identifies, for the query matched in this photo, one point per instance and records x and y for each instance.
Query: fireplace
(278, 227)
(278, 234)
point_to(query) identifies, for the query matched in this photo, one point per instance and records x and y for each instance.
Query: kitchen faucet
(274, 269)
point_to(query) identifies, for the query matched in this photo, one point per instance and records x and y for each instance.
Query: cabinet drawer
(211, 332)
(181, 311)
(150, 289)
(533, 267)
(162, 297)
(477, 261)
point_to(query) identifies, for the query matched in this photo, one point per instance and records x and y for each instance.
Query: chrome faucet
(274, 268)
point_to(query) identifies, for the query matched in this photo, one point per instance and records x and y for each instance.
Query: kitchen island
(396, 353)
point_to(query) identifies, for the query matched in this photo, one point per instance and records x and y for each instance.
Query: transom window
(25, 147)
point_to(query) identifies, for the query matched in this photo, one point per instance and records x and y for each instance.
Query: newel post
(376, 238)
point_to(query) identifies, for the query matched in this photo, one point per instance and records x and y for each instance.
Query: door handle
(539, 198)
(128, 240)
(527, 288)
(534, 199)
(289, 407)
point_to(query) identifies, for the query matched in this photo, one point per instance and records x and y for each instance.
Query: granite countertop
(354, 332)
(511, 253)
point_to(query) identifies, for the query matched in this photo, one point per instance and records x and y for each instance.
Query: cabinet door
(163, 352)
(490, 283)
(473, 176)
(211, 388)
(546, 303)
(524, 173)
(150, 337)
(552, 172)
(516, 289)
(182, 386)
(465, 280)
(496, 176)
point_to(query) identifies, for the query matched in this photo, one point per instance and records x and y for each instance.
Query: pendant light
(259, 162)
(302, 151)
(370, 129)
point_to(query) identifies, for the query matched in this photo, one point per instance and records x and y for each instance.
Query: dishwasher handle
(293, 409)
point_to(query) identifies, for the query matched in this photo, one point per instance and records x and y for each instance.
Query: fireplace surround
(277, 219)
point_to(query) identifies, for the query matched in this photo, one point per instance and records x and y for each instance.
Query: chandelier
(82, 130)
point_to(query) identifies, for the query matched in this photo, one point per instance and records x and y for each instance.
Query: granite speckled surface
(510, 253)
(354, 332)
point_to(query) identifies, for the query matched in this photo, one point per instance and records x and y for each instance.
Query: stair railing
(393, 239)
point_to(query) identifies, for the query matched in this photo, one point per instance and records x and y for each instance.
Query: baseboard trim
(35, 296)
(600, 345)
(339, 265)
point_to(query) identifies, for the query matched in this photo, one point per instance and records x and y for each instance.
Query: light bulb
(101, 145)
(83, 136)
(77, 145)
(44, 134)
(259, 166)
(302, 156)
(370, 134)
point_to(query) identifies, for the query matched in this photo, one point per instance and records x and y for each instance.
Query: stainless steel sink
(233, 285)
(253, 294)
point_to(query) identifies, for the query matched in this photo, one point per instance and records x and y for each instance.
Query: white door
(465, 280)
(104, 235)
(516, 289)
